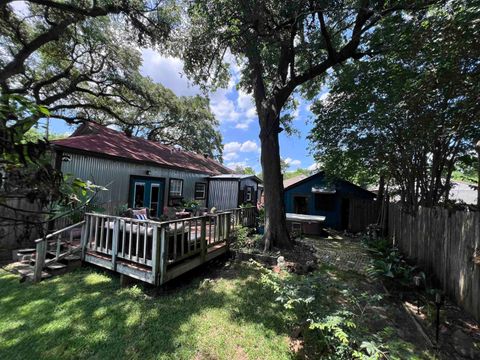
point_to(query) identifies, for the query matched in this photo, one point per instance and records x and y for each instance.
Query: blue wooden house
(316, 195)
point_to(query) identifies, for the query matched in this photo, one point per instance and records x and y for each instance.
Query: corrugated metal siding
(115, 175)
(223, 194)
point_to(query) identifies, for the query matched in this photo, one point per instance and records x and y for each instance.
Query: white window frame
(173, 191)
(249, 194)
(135, 192)
(204, 191)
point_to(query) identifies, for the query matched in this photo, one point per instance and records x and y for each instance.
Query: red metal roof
(95, 138)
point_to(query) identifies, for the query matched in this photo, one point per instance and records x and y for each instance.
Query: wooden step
(57, 268)
(72, 261)
(25, 251)
(24, 258)
(25, 271)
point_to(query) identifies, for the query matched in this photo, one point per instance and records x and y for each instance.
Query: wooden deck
(150, 251)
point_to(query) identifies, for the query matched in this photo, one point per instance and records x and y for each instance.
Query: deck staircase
(55, 254)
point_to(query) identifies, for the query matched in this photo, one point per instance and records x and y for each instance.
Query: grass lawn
(87, 315)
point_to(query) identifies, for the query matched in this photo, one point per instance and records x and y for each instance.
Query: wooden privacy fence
(362, 213)
(445, 244)
(19, 224)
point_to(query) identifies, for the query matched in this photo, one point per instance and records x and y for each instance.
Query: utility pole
(477, 148)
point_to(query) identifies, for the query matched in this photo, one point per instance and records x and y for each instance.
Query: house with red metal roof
(143, 173)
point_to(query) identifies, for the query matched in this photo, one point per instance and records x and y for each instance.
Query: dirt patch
(299, 259)
(459, 333)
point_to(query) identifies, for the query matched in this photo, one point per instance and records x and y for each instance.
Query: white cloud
(240, 164)
(230, 156)
(245, 102)
(224, 110)
(243, 124)
(232, 147)
(291, 162)
(229, 106)
(167, 71)
(235, 146)
(249, 146)
(324, 96)
(314, 167)
(20, 7)
(233, 150)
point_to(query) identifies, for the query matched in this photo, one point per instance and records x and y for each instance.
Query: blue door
(147, 192)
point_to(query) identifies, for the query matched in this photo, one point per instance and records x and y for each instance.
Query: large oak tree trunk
(276, 233)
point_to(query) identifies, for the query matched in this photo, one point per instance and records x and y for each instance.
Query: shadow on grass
(216, 311)
(86, 314)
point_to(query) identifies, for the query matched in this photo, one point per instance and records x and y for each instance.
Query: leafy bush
(329, 331)
(244, 239)
(261, 215)
(389, 262)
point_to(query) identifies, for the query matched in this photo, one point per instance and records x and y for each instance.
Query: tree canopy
(283, 47)
(409, 114)
(89, 68)
(80, 61)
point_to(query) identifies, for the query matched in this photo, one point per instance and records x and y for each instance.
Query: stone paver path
(341, 251)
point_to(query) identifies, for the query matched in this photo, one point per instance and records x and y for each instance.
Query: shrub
(389, 262)
(329, 332)
(244, 239)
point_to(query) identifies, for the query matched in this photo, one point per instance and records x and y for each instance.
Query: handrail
(60, 231)
(150, 221)
(41, 248)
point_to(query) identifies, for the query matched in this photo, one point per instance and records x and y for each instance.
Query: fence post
(40, 254)
(203, 239)
(57, 250)
(116, 226)
(84, 236)
(163, 254)
(155, 254)
(228, 220)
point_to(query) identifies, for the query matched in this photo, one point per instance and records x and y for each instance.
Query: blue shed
(315, 195)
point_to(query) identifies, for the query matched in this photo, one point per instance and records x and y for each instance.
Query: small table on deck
(299, 219)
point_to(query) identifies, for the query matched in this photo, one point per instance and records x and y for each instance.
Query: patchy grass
(87, 315)
(236, 315)
(342, 315)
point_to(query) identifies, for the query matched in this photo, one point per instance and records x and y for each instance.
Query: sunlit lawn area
(87, 315)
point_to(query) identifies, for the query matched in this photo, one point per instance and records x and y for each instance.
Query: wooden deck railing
(245, 216)
(145, 249)
(148, 250)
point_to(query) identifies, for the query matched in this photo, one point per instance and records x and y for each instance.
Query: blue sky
(236, 112)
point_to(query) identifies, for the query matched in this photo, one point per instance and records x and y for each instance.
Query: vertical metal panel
(223, 194)
(115, 175)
